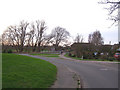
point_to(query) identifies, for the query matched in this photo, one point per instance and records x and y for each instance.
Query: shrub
(103, 57)
(118, 59)
(73, 55)
(70, 54)
(85, 57)
(111, 58)
(9, 51)
(4, 51)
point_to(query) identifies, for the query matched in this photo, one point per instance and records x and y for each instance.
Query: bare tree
(112, 7)
(48, 39)
(5, 38)
(79, 38)
(22, 33)
(59, 35)
(95, 38)
(12, 37)
(15, 35)
(31, 36)
(90, 38)
(39, 34)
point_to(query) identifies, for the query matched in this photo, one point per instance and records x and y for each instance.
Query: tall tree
(96, 38)
(79, 38)
(112, 7)
(39, 34)
(60, 35)
(22, 33)
(31, 36)
(16, 35)
(48, 39)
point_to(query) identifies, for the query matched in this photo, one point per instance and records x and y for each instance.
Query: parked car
(117, 56)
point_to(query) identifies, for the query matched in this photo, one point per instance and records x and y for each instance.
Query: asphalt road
(92, 74)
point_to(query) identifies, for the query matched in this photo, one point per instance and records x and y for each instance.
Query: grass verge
(66, 55)
(46, 55)
(26, 72)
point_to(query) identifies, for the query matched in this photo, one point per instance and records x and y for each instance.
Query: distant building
(80, 49)
(88, 49)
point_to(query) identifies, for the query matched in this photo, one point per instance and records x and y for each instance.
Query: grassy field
(66, 55)
(26, 72)
(47, 55)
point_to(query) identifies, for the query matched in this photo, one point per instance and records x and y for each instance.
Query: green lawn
(46, 55)
(26, 72)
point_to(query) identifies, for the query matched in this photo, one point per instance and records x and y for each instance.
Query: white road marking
(104, 69)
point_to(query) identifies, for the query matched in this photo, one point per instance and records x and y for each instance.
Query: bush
(85, 57)
(70, 54)
(73, 55)
(3, 51)
(103, 57)
(118, 59)
(111, 58)
(9, 51)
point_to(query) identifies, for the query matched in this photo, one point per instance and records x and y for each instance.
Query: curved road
(92, 74)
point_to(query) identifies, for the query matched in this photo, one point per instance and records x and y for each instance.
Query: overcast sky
(77, 16)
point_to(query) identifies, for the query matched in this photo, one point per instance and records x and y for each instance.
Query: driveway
(92, 74)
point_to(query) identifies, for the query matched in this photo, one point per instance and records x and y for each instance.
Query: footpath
(65, 78)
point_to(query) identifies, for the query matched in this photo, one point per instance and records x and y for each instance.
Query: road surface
(92, 74)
